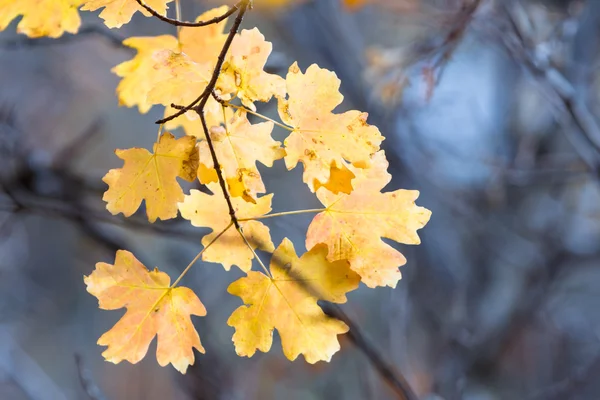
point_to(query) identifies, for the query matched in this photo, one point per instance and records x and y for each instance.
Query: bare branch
(176, 22)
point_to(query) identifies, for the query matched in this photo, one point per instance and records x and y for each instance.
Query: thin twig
(182, 109)
(176, 22)
(195, 259)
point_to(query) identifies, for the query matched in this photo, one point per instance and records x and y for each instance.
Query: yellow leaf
(189, 122)
(153, 308)
(139, 75)
(204, 210)
(243, 71)
(41, 17)
(203, 44)
(152, 177)
(239, 145)
(288, 302)
(354, 224)
(116, 13)
(320, 138)
(183, 80)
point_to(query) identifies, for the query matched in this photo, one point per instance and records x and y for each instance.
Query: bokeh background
(490, 110)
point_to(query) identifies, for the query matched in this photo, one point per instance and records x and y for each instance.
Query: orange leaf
(153, 308)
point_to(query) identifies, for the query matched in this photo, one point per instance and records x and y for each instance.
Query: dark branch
(176, 22)
(200, 107)
(183, 109)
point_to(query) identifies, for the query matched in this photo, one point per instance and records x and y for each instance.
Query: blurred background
(489, 109)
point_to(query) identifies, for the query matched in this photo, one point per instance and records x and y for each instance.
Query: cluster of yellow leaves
(41, 17)
(54, 17)
(342, 161)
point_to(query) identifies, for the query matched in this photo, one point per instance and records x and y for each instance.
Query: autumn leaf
(243, 71)
(116, 13)
(153, 308)
(167, 64)
(182, 81)
(288, 302)
(353, 225)
(322, 140)
(41, 17)
(211, 211)
(203, 44)
(152, 177)
(139, 74)
(239, 145)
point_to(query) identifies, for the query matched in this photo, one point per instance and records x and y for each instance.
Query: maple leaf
(41, 17)
(203, 44)
(152, 177)
(322, 140)
(189, 122)
(205, 210)
(139, 74)
(239, 145)
(116, 13)
(288, 302)
(153, 308)
(243, 71)
(182, 80)
(353, 225)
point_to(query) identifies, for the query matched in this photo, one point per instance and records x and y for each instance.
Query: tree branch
(176, 22)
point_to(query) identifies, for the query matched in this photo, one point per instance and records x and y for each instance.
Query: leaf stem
(281, 214)
(279, 124)
(264, 267)
(178, 16)
(160, 128)
(185, 271)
